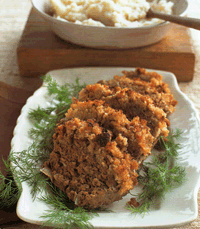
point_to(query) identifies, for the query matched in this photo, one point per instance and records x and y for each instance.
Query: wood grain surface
(40, 51)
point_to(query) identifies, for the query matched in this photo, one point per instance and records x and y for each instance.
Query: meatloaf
(136, 132)
(132, 105)
(106, 135)
(89, 166)
(145, 83)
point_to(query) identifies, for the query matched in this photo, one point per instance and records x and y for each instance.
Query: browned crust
(137, 133)
(132, 105)
(93, 175)
(146, 83)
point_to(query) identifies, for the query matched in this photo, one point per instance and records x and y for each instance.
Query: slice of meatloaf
(146, 84)
(89, 166)
(132, 104)
(136, 133)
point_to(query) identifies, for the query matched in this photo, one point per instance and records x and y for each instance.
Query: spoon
(185, 21)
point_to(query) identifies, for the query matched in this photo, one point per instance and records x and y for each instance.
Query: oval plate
(179, 206)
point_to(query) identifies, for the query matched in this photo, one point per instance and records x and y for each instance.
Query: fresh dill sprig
(78, 218)
(160, 175)
(9, 190)
(45, 119)
(170, 145)
(26, 165)
(63, 93)
(64, 214)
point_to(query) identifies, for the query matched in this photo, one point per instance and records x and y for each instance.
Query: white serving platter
(179, 206)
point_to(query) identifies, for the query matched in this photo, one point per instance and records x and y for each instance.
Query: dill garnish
(45, 119)
(160, 175)
(9, 191)
(26, 167)
(64, 211)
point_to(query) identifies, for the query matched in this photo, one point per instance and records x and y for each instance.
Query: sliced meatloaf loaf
(132, 104)
(146, 84)
(106, 135)
(136, 133)
(89, 166)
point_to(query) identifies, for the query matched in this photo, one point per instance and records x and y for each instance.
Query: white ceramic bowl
(107, 37)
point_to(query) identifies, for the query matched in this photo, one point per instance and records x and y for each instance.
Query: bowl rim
(146, 27)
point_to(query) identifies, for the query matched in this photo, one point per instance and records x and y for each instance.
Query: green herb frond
(57, 198)
(170, 145)
(9, 191)
(160, 175)
(63, 93)
(45, 119)
(26, 165)
(67, 220)
(64, 214)
(40, 114)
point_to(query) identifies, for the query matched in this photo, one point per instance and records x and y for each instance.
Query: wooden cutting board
(40, 51)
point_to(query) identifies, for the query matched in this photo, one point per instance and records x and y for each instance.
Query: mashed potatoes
(116, 13)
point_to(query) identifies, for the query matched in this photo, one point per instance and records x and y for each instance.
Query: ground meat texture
(132, 104)
(93, 173)
(135, 131)
(145, 83)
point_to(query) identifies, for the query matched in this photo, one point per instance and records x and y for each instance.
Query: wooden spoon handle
(188, 22)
